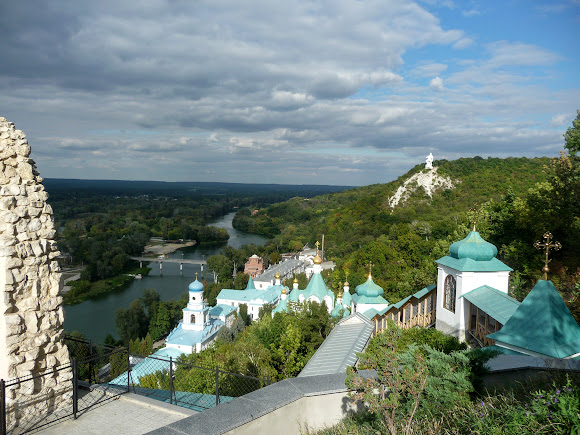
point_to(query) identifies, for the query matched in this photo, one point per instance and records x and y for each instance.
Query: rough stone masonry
(31, 315)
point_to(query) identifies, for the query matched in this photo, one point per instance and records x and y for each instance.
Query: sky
(296, 92)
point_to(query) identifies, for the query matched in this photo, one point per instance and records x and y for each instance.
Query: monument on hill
(30, 306)
(429, 161)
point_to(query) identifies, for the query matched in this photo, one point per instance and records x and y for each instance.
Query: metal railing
(98, 373)
(31, 402)
(188, 385)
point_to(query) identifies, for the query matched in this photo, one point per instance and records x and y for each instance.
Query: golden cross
(370, 268)
(475, 211)
(317, 244)
(547, 245)
(195, 275)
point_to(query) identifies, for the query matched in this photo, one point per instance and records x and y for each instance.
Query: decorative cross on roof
(547, 245)
(475, 211)
(195, 275)
(317, 244)
(370, 268)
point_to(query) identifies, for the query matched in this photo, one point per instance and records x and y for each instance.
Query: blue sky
(316, 92)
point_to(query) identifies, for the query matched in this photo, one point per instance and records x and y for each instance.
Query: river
(95, 318)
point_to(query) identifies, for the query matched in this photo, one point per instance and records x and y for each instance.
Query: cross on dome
(475, 211)
(547, 245)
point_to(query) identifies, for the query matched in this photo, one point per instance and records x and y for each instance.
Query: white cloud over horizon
(327, 92)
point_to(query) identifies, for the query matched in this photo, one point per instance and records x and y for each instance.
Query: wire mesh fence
(31, 402)
(190, 386)
(98, 373)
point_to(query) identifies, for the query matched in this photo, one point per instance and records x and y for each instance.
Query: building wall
(456, 324)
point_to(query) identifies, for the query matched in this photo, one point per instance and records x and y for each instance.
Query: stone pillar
(31, 314)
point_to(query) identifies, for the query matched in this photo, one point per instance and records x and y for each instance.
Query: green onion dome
(369, 289)
(473, 247)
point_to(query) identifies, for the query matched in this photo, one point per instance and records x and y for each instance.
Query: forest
(102, 223)
(518, 200)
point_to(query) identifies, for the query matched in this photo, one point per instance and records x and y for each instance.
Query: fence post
(90, 362)
(75, 387)
(171, 380)
(2, 407)
(128, 370)
(217, 385)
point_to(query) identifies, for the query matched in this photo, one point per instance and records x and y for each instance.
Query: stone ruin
(31, 314)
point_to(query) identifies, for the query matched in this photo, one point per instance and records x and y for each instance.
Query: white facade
(456, 323)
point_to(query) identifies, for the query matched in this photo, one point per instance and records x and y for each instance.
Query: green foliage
(572, 136)
(131, 323)
(418, 382)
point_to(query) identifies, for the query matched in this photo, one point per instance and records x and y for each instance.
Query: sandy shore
(166, 248)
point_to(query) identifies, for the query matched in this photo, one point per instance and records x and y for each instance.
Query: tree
(131, 323)
(572, 136)
(416, 383)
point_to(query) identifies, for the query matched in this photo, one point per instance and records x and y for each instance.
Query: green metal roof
(469, 265)
(316, 287)
(369, 300)
(473, 254)
(250, 285)
(424, 291)
(542, 324)
(371, 313)
(495, 303)
(281, 307)
(369, 288)
(473, 247)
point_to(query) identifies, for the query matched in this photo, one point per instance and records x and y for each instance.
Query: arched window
(449, 298)
(192, 318)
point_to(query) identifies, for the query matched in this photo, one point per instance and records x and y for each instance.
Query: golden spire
(346, 280)
(295, 279)
(317, 259)
(547, 245)
(370, 269)
(475, 211)
(339, 296)
(195, 275)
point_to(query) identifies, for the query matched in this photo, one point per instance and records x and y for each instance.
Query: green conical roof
(369, 288)
(250, 285)
(542, 324)
(473, 247)
(317, 287)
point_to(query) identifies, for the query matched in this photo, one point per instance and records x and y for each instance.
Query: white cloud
(463, 43)
(430, 69)
(436, 84)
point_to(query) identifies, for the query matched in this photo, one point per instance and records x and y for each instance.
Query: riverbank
(166, 248)
(81, 291)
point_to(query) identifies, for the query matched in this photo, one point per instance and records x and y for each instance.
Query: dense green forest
(102, 223)
(519, 200)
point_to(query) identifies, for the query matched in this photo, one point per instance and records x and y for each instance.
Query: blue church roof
(196, 286)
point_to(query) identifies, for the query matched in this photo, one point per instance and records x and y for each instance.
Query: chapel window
(449, 289)
(192, 320)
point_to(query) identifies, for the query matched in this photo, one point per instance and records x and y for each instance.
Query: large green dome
(473, 247)
(369, 289)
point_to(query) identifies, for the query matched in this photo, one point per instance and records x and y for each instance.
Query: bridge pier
(160, 266)
(140, 264)
(181, 268)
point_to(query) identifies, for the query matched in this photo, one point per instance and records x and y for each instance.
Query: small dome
(338, 309)
(284, 291)
(346, 284)
(369, 289)
(196, 286)
(277, 276)
(317, 259)
(473, 247)
(296, 280)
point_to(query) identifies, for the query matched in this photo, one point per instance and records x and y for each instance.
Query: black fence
(187, 385)
(98, 373)
(32, 402)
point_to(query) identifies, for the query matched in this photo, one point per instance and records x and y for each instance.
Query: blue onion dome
(473, 247)
(196, 286)
(369, 289)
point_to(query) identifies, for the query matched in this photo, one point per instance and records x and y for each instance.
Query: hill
(402, 242)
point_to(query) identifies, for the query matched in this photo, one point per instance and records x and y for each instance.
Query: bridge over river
(168, 260)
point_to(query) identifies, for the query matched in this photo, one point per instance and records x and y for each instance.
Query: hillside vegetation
(520, 199)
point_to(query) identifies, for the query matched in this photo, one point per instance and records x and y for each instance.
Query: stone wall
(31, 314)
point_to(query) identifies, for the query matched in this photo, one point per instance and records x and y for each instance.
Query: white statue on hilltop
(429, 161)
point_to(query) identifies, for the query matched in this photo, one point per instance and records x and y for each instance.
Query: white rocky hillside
(427, 179)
